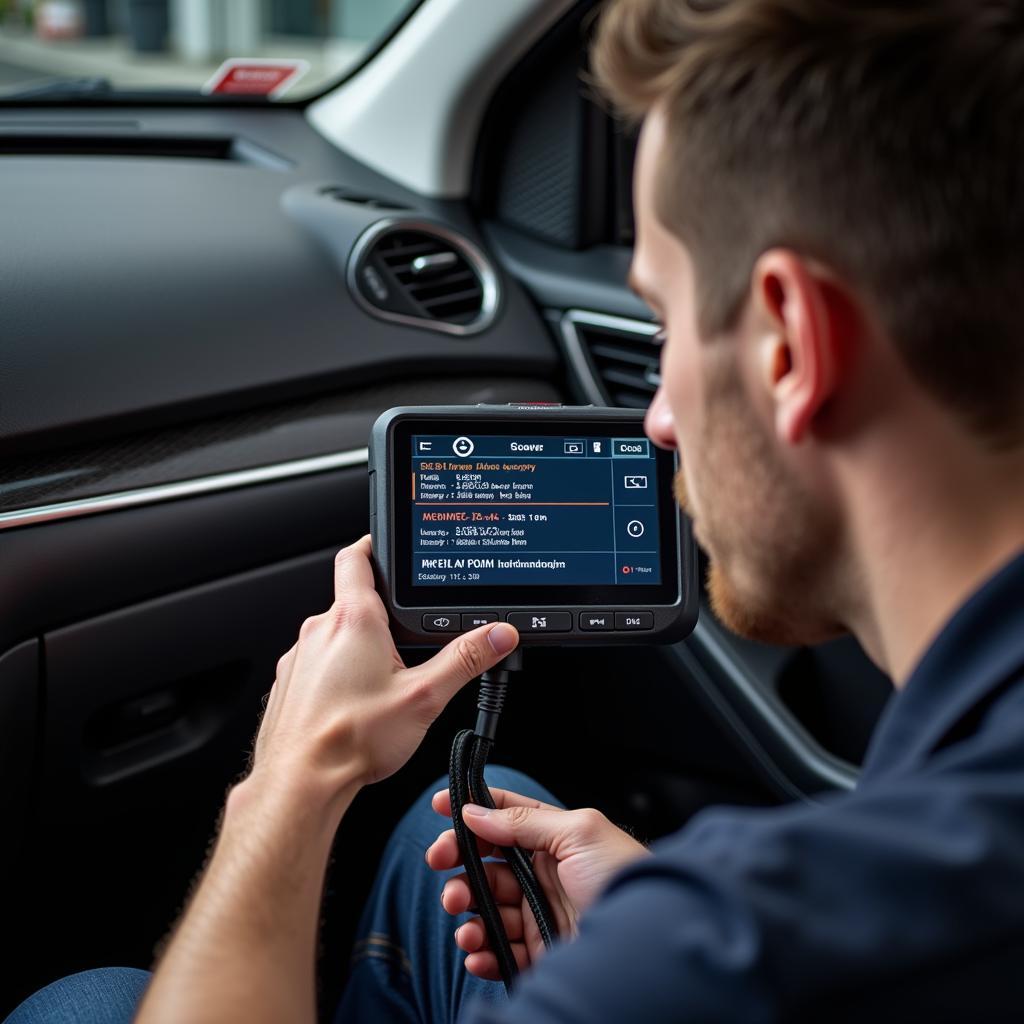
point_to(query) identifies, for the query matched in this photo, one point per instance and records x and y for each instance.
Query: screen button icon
(425, 446)
(635, 483)
(463, 446)
(573, 447)
(634, 620)
(631, 448)
(635, 528)
(470, 620)
(541, 622)
(445, 622)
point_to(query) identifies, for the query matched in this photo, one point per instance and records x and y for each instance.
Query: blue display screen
(552, 510)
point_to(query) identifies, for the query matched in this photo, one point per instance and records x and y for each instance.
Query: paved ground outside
(16, 74)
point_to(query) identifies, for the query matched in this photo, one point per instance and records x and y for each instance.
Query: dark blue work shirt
(900, 901)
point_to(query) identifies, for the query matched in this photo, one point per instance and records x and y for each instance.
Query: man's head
(830, 224)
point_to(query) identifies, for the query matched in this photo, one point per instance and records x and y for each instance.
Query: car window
(277, 49)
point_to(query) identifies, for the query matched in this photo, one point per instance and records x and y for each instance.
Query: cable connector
(491, 699)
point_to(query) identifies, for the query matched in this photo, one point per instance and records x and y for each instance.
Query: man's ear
(800, 352)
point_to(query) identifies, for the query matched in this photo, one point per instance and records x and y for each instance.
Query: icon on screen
(635, 528)
(462, 446)
(573, 448)
(539, 622)
(425, 446)
(635, 483)
(597, 447)
(630, 448)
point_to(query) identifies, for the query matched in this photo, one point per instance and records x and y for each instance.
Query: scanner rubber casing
(672, 621)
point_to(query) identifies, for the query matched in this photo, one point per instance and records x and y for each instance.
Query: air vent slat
(625, 355)
(622, 360)
(449, 282)
(402, 258)
(456, 293)
(637, 381)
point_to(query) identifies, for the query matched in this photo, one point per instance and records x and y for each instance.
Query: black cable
(483, 898)
(516, 858)
(466, 784)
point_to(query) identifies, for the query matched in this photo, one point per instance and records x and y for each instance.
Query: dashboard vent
(616, 359)
(420, 273)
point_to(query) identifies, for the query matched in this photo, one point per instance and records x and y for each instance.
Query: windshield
(278, 49)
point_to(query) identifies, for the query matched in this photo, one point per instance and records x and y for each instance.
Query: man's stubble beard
(771, 576)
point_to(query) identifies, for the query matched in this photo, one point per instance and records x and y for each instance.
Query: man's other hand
(344, 708)
(575, 855)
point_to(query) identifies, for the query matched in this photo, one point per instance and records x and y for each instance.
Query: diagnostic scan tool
(559, 520)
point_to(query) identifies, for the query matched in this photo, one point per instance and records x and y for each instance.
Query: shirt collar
(980, 648)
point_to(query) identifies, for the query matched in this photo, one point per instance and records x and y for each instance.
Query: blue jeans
(405, 965)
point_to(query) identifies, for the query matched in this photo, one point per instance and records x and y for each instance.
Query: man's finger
(443, 854)
(485, 964)
(441, 801)
(457, 897)
(464, 659)
(352, 569)
(472, 936)
(533, 828)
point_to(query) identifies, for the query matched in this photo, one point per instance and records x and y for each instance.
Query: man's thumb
(469, 655)
(532, 828)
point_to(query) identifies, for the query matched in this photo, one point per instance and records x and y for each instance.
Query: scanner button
(442, 622)
(474, 619)
(541, 622)
(595, 621)
(634, 620)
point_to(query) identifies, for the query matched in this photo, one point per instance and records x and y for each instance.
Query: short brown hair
(885, 139)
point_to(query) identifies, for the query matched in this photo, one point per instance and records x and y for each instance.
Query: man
(830, 221)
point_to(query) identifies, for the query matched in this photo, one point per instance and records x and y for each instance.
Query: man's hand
(344, 707)
(575, 854)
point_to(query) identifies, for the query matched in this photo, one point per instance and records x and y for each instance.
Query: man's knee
(109, 995)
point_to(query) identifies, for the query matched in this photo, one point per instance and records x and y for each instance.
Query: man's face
(766, 537)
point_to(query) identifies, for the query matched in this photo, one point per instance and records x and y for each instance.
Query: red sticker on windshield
(255, 76)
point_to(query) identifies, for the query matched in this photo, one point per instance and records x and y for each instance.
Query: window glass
(280, 49)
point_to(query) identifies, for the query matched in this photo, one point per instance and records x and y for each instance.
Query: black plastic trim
(769, 729)
(558, 278)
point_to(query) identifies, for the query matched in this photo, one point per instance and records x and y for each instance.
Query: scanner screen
(490, 510)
